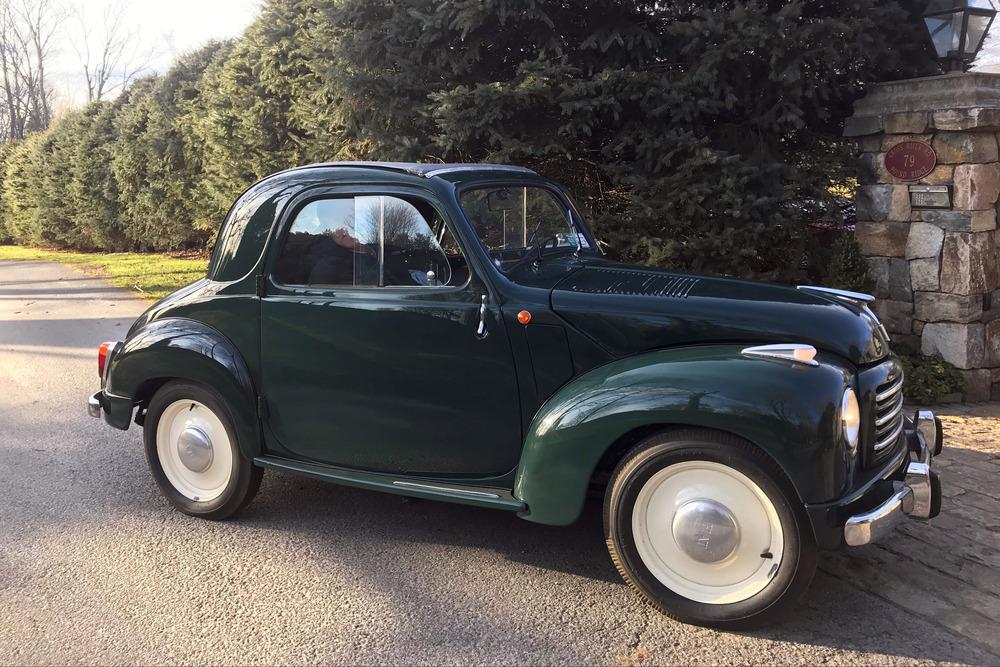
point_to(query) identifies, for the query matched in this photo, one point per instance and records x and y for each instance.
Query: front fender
(183, 349)
(788, 410)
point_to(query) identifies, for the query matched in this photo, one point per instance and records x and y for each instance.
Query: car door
(375, 352)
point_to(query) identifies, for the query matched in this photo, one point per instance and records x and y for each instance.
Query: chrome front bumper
(917, 495)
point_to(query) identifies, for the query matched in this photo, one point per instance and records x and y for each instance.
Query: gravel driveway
(96, 568)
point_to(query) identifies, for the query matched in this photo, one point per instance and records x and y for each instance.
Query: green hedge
(703, 136)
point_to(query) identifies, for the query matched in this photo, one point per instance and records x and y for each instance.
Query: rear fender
(788, 410)
(183, 349)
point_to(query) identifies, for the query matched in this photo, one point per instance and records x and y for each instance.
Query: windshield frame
(561, 198)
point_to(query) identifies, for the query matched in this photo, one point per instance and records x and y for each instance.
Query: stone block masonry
(936, 272)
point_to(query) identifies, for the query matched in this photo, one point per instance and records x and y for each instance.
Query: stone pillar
(937, 272)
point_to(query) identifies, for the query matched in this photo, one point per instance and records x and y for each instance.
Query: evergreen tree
(691, 129)
(244, 119)
(158, 163)
(54, 207)
(21, 192)
(698, 135)
(93, 188)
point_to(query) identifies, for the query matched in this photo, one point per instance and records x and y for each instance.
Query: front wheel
(707, 529)
(192, 451)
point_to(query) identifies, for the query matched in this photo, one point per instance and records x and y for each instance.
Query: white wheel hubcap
(194, 450)
(708, 532)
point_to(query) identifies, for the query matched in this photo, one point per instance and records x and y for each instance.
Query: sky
(167, 29)
(989, 57)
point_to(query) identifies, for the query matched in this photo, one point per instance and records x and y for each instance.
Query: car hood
(631, 309)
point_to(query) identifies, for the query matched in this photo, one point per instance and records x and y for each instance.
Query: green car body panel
(786, 409)
(373, 386)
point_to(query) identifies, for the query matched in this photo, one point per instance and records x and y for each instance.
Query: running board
(480, 496)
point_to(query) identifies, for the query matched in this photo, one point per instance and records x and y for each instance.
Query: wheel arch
(192, 351)
(620, 448)
(144, 394)
(584, 429)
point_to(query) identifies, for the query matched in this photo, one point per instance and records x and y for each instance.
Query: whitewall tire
(193, 452)
(707, 528)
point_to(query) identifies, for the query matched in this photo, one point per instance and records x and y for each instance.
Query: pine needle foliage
(697, 135)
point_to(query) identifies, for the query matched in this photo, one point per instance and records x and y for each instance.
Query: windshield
(515, 223)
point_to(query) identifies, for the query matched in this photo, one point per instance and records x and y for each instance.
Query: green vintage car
(454, 332)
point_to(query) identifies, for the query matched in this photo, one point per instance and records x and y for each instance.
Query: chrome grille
(888, 415)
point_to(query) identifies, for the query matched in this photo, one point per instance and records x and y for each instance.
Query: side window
(375, 241)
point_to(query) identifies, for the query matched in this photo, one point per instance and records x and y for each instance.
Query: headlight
(850, 417)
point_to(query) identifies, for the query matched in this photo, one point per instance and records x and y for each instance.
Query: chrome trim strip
(889, 439)
(448, 489)
(888, 392)
(892, 414)
(860, 297)
(782, 351)
(479, 167)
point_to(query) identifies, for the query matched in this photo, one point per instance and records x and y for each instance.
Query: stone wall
(937, 272)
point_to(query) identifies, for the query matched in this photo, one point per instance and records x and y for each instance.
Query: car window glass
(515, 222)
(373, 241)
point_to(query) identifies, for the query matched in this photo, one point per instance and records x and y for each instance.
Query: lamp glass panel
(944, 33)
(977, 30)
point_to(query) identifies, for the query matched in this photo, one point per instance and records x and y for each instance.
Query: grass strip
(151, 275)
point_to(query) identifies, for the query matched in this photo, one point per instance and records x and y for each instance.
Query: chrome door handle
(481, 329)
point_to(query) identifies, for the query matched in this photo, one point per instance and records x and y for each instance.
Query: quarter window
(372, 241)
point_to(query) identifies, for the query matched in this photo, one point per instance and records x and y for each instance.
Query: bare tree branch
(27, 30)
(112, 56)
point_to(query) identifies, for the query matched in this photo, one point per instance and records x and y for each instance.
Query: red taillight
(102, 358)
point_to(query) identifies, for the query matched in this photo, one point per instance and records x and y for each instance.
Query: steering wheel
(536, 255)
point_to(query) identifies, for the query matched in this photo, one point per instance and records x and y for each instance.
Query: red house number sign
(910, 160)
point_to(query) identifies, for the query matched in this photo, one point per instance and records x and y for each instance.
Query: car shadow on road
(44, 281)
(892, 599)
(61, 292)
(61, 333)
(832, 614)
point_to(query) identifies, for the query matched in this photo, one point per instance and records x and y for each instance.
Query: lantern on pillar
(958, 28)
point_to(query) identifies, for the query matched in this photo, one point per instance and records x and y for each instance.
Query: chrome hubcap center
(195, 449)
(706, 531)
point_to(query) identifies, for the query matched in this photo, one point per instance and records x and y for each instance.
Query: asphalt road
(95, 567)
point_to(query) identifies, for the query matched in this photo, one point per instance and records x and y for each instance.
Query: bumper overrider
(116, 410)
(916, 496)
(94, 405)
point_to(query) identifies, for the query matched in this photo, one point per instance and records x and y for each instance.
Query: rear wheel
(193, 453)
(708, 530)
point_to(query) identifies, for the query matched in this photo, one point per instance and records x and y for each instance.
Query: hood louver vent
(631, 282)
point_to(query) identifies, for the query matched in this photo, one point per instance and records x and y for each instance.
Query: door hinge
(261, 286)
(262, 408)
